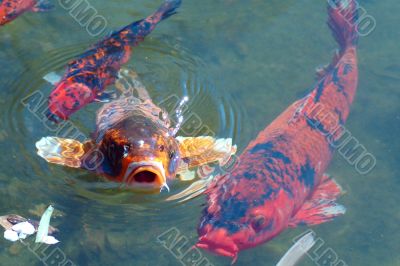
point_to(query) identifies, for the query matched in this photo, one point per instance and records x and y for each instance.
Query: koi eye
(126, 150)
(258, 222)
(161, 148)
(172, 154)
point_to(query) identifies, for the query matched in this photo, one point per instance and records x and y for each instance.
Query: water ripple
(166, 68)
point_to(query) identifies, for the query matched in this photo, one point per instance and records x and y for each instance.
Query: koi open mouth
(224, 246)
(146, 175)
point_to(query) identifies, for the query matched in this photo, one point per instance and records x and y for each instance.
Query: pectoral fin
(321, 207)
(203, 150)
(42, 6)
(60, 151)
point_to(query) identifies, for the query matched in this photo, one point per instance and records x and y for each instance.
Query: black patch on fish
(146, 26)
(336, 81)
(230, 226)
(281, 156)
(208, 218)
(276, 171)
(232, 210)
(317, 125)
(271, 170)
(250, 176)
(347, 69)
(320, 90)
(264, 197)
(70, 94)
(307, 175)
(267, 148)
(339, 114)
(76, 104)
(262, 147)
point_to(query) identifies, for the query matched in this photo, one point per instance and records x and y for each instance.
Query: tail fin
(343, 18)
(139, 29)
(167, 9)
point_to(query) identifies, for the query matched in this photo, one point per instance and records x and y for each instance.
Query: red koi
(87, 77)
(11, 9)
(280, 181)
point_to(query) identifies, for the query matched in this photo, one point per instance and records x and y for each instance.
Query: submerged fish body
(280, 181)
(11, 9)
(88, 76)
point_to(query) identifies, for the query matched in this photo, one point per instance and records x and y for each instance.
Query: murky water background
(241, 63)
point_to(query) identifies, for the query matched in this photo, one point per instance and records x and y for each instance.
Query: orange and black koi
(280, 181)
(87, 77)
(136, 145)
(11, 9)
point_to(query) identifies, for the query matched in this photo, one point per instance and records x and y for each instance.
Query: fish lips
(219, 243)
(146, 175)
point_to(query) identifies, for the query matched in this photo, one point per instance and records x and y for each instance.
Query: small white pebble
(49, 240)
(24, 228)
(11, 235)
(22, 236)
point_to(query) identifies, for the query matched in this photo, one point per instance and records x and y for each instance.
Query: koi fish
(87, 77)
(11, 9)
(135, 144)
(280, 181)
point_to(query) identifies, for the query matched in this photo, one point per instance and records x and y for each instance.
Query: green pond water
(241, 63)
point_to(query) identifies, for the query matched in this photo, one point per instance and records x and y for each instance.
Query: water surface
(241, 63)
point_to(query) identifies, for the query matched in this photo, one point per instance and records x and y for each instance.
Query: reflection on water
(241, 63)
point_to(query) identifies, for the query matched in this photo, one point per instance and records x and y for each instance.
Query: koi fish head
(140, 154)
(234, 221)
(67, 98)
(225, 237)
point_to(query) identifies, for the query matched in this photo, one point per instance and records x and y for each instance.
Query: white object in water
(22, 236)
(49, 147)
(11, 235)
(24, 228)
(52, 78)
(298, 250)
(43, 230)
(19, 231)
(50, 240)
